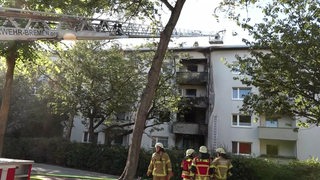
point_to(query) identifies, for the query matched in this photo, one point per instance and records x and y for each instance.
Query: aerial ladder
(20, 24)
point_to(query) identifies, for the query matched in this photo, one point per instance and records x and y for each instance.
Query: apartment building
(211, 102)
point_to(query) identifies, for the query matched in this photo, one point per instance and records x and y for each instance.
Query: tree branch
(168, 5)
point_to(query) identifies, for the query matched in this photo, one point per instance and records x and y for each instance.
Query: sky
(198, 15)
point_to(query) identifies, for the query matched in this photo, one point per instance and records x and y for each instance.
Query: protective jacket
(201, 167)
(222, 168)
(160, 164)
(185, 167)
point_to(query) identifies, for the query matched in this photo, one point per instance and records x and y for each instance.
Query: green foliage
(284, 60)
(30, 116)
(255, 168)
(97, 84)
(112, 160)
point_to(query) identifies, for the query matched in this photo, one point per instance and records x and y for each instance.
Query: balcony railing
(278, 133)
(197, 78)
(190, 128)
(195, 101)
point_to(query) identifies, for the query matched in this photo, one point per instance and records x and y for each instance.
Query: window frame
(238, 147)
(162, 139)
(193, 94)
(236, 92)
(238, 123)
(85, 137)
(269, 121)
(192, 68)
(272, 150)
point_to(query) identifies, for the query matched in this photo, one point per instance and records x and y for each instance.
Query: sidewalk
(42, 169)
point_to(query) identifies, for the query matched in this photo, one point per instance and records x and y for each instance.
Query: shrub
(112, 160)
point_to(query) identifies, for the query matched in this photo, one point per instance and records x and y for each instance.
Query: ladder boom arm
(17, 24)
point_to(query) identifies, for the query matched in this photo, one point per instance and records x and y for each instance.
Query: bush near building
(112, 159)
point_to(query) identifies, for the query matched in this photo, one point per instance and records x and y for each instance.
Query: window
(191, 92)
(163, 140)
(241, 147)
(240, 93)
(271, 122)
(241, 120)
(235, 70)
(272, 150)
(118, 140)
(192, 68)
(86, 137)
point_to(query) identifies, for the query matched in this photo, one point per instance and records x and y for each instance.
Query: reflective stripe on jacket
(201, 167)
(160, 164)
(222, 168)
(185, 166)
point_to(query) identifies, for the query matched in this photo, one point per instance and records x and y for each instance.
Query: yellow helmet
(189, 152)
(158, 144)
(203, 149)
(220, 150)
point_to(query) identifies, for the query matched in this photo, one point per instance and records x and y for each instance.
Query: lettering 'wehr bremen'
(27, 32)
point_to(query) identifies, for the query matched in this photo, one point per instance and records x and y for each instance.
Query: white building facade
(214, 118)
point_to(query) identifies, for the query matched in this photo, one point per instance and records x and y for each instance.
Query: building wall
(79, 129)
(162, 131)
(308, 143)
(221, 132)
(304, 148)
(224, 106)
(285, 148)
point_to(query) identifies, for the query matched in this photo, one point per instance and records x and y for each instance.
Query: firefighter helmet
(158, 144)
(220, 150)
(189, 152)
(203, 149)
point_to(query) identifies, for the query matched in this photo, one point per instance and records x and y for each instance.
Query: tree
(14, 51)
(93, 62)
(98, 84)
(150, 89)
(284, 62)
(29, 116)
(164, 103)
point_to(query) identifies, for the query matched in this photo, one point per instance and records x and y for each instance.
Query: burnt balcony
(195, 101)
(190, 128)
(194, 61)
(278, 133)
(196, 78)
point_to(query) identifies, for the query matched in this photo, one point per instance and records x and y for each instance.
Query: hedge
(112, 160)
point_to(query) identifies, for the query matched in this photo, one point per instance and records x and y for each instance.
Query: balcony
(195, 101)
(190, 128)
(195, 78)
(277, 133)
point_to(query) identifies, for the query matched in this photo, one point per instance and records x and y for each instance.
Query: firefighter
(160, 164)
(222, 165)
(201, 167)
(186, 164)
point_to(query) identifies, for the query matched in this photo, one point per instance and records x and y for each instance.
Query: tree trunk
(91, 130)
(69, 125)
(6, 94)
(149, 92)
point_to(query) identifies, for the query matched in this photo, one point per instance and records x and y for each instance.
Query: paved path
(39, 168)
